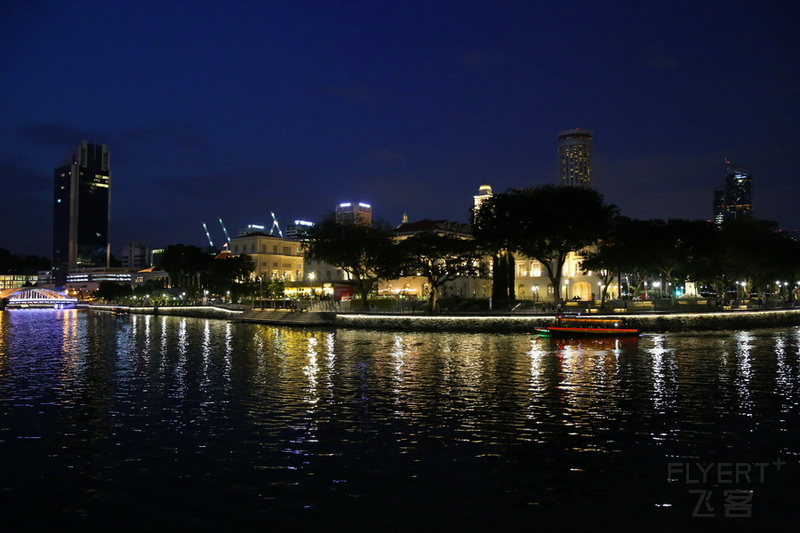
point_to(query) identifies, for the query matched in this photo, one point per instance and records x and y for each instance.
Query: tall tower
(359, 213)
(82, 210)
(575, 158)
(484, 193)
(735, 199)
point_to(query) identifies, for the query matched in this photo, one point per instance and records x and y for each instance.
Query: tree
(755, 251)
(545, 224)
(439, 258)
(231, 273)
(18, 264)
(492, 227)
(185, 265)
(111, 291)
(619, 252)
(366, 253)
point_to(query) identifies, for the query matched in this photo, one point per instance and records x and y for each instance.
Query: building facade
(274, 257)
(351, 213)
(298, 230)
(734, 200)
(135, 256)
(575, 158)
(82, 210)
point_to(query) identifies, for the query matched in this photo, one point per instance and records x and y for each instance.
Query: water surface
(148, 423)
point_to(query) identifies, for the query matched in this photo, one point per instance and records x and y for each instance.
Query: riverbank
(645, 322)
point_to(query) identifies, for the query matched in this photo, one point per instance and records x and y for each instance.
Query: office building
(734, 200)
(575, 158)
(298, 231)
(350, 213)
(135, 256)
(251, 228)
(82, 210)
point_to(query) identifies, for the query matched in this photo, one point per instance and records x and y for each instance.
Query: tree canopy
(439, 258)
(366, 253)
(545, 224)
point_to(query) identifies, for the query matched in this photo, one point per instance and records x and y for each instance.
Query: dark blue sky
(238, 109)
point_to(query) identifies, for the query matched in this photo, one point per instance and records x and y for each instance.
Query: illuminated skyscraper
(82, 210)
(359, 213)
(298, 231)
(575, 158)
(735, 199)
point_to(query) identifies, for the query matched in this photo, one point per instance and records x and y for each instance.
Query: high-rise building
(359, 213)
(575, 158)
(135, 255)
(298, 231)
(82, 210)
(734, 200)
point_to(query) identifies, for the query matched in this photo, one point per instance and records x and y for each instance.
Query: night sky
(238, 109)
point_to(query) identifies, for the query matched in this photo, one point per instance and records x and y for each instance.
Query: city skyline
(237, 113)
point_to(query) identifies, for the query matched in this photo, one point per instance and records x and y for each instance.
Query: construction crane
(228, 244)
(275, 225)
(208, 235)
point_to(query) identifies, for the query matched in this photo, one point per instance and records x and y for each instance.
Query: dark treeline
(21, 264)
(739, 259)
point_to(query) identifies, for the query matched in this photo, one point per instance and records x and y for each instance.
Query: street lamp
(311, 277)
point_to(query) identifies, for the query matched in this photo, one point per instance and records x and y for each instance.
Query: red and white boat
(579, 326)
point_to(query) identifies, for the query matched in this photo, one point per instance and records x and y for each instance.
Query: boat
(580, 326)
(119, 311)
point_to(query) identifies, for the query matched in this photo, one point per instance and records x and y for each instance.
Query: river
(155, 423)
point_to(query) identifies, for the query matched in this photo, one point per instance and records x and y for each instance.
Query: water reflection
(744, 370)
(269, 421)
(664, 375)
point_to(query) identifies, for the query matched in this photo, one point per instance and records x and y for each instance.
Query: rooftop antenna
(208, 235)
(227, 244)
(275, 225)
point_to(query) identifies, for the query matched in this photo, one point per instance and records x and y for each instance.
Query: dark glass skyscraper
(734, 200)
(82, 210)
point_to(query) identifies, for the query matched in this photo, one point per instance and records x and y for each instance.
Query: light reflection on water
(144, 416)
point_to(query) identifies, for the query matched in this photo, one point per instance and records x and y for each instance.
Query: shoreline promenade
(648, 322)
